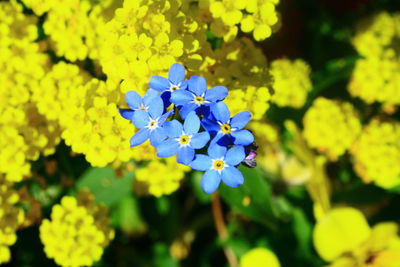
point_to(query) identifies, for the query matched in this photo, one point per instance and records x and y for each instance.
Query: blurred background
(320, 77)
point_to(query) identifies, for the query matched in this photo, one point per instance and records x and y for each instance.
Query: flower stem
(221, 229)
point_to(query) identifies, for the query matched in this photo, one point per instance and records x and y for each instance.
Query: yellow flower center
(218, 164)
(199, 100)
(152, 123)
(174, 88)
(184, 140)
(143, 108)
(226, 128)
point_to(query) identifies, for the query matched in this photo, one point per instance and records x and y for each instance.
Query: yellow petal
(261, 32)
(260, 257)
(382, 235)
(341, 230)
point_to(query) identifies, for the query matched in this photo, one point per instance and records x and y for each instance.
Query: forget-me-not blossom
(183, 140)
(136, 102)
(167, 86)
(219, 164)
(150, 123)
(228, 130)
(197, 97)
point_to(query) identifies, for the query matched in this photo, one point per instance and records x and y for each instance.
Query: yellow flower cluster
(375, 77)
(11, 218)
(242, 68)
(162, 177)
(256, 16)
(377, 153)
(331, 126)
(24, 133)
(75, 29)
(88, 115)
(143, 40)
(77, 232)
(260, 257)
(344, 238)
(42, 103)
(291, 82)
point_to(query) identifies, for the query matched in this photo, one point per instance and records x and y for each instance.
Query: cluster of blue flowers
(207, 126)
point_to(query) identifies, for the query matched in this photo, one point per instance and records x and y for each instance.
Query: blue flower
(136, 102)
(183, 139)
(150, 123)
(219, 164)
(228, 130)
(175, 81)
(197, 97)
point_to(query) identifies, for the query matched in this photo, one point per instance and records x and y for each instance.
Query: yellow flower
(262, 20)
(228, 10)
(331, 126)
(375, 77)
(77, 232)
(344, 238)
(377, 153)
(11, 218)
(291, 82)
(162, 177)
(259, 257)
(24, 133)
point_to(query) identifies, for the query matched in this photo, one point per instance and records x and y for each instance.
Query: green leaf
(105, 185)
(197, 190)
(127, 216)
(302, 229)
(253, 198)
(162, 257)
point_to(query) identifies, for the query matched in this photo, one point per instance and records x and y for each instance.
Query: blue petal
(216, 93)
(197, 85)
(201, 163)
(216, 151)
(203, 110)
(240, 120)
(139, 138)
(167, 148)
(222, 139)
(166, 97)
(232, 177)
(148, 97)
(242, 137)
(181, 97)
(157, 136)
(186, 109)
(173, 128)
(184, 85)
(133, 99)
(210, 181)
(126, 113)
(235, 155)
(221, 112)
(159, 83)
(211, 126)
(185, 155)
(140, 118)
(156, 107)
(191, 124)
(176, 73)
(199, 140)
(165, 116)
